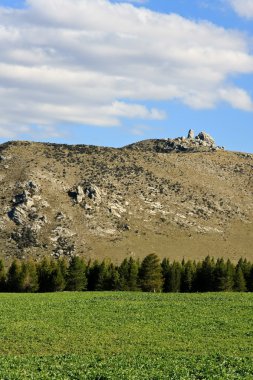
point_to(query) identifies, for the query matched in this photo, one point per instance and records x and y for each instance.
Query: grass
(126, 336)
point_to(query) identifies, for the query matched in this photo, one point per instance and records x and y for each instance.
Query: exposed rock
(205, 137)
(116, 209)
(23, 198)
(77, 194)
(62, 242)
(201, 143)
(18, 214)
(86, 191)
(60, 216)
(93, 193)
(25, 237)
(190, 134)
(32, 187)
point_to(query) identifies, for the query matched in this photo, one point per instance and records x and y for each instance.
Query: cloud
(243, 8)
(137, 1)
(94, 62)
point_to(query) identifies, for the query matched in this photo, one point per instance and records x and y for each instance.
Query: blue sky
(113, 72)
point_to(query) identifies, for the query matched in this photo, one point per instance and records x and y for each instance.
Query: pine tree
(187, 280)
(245, 266)
(133, 271)
(76, 277)
(206, 282)
(223, 276)
(150, 274)
(112, 282)
(123, 275)
(128, 274)
(29, 276)
(165, 265)
(230, 274)
(175, 273)
(93, 274)
(2, 277)
(57, 281)
(250, 280)
(50, 276)
(14, 277)
(44, 270)
(239, 282)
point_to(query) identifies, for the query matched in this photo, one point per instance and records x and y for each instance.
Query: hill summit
(203, 142)
(182, 197)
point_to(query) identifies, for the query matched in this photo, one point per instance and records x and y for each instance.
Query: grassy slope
(168, 200)
(126, 336)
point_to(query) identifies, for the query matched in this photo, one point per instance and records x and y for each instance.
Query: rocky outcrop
(84, 193)
(26, 215)
(63, 244)
(190, 134)
(203, 136)
(203, 142)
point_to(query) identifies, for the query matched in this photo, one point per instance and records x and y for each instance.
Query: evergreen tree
(44, 270)
(63, 265)
(123, 275)
(93, 273)
(239, 283)
(205, 275)
(2, 277)
(15, 277)
(187, 280)
(133, 271)
(29, 277)
(112, 281)
(103, 275)
(128, 275)
(165, 265)
(223, 275)
(76, 277)
(57, 281)
(245, 266)
(150, 274)
(175, 272)
(230, 274)
(50, 276)
(107, 277)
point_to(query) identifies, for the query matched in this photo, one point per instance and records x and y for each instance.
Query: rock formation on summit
(203, 142)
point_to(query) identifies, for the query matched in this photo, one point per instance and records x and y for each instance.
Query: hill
(182, 197)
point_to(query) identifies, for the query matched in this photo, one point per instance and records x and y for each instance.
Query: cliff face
(152, 196)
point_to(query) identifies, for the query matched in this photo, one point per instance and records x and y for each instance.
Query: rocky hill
(181, 197)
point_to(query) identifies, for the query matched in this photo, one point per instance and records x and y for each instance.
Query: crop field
(113, 335)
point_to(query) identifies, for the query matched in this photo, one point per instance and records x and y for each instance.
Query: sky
(108, 72)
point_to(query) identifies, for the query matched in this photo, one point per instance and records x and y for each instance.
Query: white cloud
(237, 98)
(244, 8)
(95, 62)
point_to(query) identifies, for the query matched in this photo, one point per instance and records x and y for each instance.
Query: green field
(126, 336)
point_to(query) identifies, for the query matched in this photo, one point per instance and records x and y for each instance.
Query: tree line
(148, 275)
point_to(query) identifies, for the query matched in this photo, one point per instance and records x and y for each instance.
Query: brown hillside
(99, 202)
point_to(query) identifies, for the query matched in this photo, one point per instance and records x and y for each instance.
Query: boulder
(190, 134)
(203, 136)
(32, 187)
(93, 193)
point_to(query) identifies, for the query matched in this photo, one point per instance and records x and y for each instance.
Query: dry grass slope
(104, 202)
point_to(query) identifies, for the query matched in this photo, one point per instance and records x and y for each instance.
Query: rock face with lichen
(151, 196)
